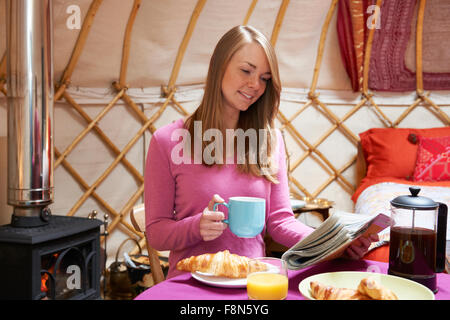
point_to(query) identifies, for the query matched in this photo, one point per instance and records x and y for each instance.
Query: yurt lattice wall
(102, 134)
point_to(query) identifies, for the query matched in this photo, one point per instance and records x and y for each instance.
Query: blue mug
(246, 215)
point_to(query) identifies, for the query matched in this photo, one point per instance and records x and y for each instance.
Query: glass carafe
(417, 238)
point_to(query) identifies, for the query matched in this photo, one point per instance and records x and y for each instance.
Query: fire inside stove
(65, 275)
(45, 276)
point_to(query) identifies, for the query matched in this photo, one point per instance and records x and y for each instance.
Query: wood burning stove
(41, 256)
(60, 260)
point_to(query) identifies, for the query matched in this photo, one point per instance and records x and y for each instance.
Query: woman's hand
(359, 248)
(211, 225)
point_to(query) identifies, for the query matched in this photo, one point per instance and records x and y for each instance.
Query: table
(184, 287)
(324, 212)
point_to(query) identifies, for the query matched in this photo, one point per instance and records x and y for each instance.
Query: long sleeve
(164, 231)
(281, 223)
(177, 193)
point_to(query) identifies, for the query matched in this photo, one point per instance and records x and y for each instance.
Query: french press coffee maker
(417, 238)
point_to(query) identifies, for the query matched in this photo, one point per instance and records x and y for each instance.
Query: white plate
(225, 282)
(222, 282)
(297, 204)
(404, 289)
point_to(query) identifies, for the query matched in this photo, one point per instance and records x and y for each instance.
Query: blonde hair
(260, 115)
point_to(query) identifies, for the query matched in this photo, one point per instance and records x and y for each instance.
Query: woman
(242, 91)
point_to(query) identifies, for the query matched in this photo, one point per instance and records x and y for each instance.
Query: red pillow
(433, 159)
(389, 153)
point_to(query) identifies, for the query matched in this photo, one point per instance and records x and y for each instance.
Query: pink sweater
(177, 194)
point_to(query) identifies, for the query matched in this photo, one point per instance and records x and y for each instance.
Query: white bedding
(376, 198)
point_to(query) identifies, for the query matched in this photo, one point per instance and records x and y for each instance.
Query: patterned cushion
(433, 159)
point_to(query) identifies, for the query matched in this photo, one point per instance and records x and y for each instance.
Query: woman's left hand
(359, 248)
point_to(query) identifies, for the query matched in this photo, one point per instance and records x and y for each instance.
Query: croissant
(374, 290)
(320, 291)
(221, 264)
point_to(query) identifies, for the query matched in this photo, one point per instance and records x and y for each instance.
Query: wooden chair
(137, 217)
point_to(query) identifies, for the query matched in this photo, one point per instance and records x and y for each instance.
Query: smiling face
(242, 91)
(245, 78)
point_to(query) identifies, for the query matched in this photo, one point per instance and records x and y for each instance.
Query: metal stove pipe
(30, 110)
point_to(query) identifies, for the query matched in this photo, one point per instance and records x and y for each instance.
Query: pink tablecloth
(184, 287)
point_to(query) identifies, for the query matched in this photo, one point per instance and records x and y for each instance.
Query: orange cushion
(379, 254)
(389, 153)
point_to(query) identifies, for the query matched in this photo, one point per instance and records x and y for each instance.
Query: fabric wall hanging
(392, 60)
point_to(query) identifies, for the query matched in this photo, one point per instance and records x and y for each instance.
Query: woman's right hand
(211, 225)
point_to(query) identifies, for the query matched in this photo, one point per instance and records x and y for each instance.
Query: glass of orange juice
(268, 284)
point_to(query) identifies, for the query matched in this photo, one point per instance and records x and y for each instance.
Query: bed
(390, 160)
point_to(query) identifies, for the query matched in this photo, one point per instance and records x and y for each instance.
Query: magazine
(330, 239)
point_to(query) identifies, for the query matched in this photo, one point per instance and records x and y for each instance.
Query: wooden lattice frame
(310, 149)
